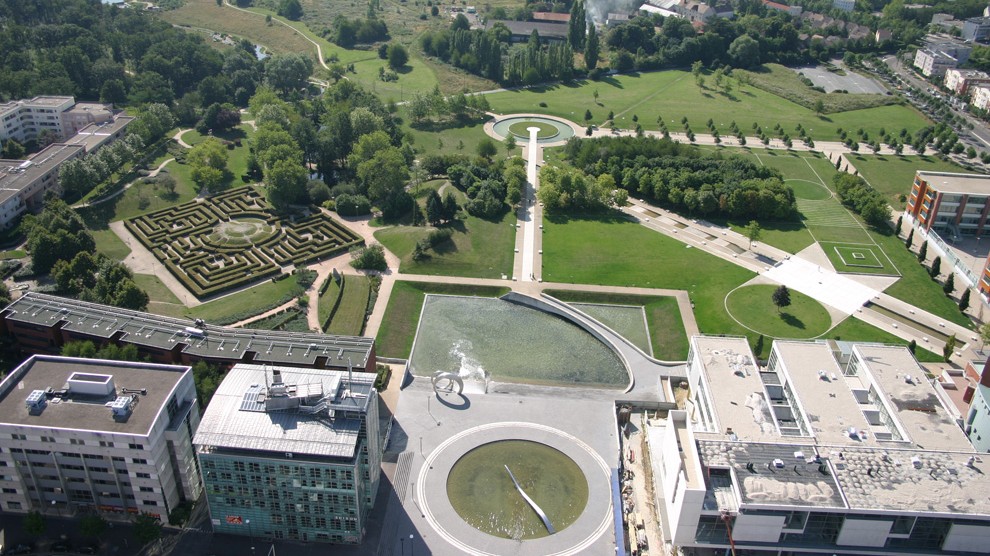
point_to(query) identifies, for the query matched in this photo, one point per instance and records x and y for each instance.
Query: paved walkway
(319, 49)
(178, 138)
(121, 191)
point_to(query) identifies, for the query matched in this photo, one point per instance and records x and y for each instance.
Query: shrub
(370, 258)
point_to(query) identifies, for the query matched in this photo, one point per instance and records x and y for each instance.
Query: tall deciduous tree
(592, 49)
(753, 232)
(577, 25)
(286, 181)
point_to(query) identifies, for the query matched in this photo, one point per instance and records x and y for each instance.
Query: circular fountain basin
(550, 130)
(482, 493)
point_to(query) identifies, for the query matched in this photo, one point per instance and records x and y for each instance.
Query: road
(978, 136)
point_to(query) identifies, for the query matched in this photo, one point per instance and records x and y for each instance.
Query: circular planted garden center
(549, 129)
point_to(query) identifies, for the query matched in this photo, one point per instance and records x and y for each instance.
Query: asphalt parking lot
(852, 82)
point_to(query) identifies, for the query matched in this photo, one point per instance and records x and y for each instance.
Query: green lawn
(674, 94)
(479, 248)
(858, 258)
(611, 250)
(350, 315)
(325, 304)
(916, 286)
(230, 308)
(753, 307)
(893, 175)
(663, 318)
(138, 199)
(445, 137)
(853, 329)
(395, 337)
(13, 254)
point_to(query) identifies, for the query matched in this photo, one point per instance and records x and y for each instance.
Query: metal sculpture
(446, 382)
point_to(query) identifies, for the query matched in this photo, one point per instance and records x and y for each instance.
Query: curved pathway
(121, 191)
(319, 49)
(178, 138)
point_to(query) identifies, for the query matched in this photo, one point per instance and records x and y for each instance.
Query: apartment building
(23, 183)
(949, 203)
(961, 82)
(941, 53)
(291, 453)
(90, 435)
(831, 448)
(24, 120)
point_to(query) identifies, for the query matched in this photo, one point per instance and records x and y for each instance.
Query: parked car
(61, 547)
(18, 549)
(88, 549)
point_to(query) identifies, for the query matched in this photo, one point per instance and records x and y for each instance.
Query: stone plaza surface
(433, 430)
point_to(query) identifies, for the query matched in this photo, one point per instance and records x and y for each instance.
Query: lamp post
(250, 534)
(411, 549)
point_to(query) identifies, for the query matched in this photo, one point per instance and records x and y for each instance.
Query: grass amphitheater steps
(234, 239)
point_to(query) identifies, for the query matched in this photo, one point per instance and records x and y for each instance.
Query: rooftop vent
(120, 408)
(36, 401)
(90, 384)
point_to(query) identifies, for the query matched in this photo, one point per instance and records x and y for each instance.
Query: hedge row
(336, 303)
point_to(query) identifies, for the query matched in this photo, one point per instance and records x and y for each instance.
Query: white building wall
(758, 528)
(967, 538)
(981, 97)
(978, 420)
(862, 532)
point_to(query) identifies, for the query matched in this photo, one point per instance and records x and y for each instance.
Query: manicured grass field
(916, 286)
(674, 95)
(479, 248)
(326, 301)
(349, 318)
(445, 137)
(753, 306)
(223, 310)
(611, 250)
(663, 318)
(893, 175)
(521, 129)
(398, 330)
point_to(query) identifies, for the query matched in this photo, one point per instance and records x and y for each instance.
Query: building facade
(949, 203)
(290, 453)
(981, 97)
(25, 120)
(90, 435)
(41, 323)
(24, 183)
(961, 82)
(976, 29)
(831, 448)
(941, 52)
(844, 5)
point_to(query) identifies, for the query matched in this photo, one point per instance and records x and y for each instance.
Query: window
(18, 437)
(140, 461)
(13, 505)
(47, 439)
(105, 444)
(136, 446)
(147, 489)
(149, 502)
(10, 491)
(77, 442)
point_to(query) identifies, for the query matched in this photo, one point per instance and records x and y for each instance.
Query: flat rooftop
(866, 478)
(952, 182)
(156, 331)
(735, 388)
(47, 100)
(915, 403)
(235, 421)
(94, 135)
(15, 175)
(87, 412)
(828, 401)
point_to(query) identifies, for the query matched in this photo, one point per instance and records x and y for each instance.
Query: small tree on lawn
(510, 143)
(781, 297)
(370, 258)
(910, 239)
(753, 232)
(936, 267)
(923, 252)
(950, 284)
(964, 300)
(35, 524)
(950, 346)
(912, 346)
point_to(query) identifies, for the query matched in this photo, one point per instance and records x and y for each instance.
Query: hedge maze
(232, 239)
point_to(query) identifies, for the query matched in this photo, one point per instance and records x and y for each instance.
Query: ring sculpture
(446, 382)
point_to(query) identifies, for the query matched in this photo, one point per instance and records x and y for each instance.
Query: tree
(923, 252)
(208, 161)
(950, 284)
(753, 232)
(146, 529)
(592, 49)
(897, 228)
(912, 346)
(984, 335)
(487, 149)
(950, 346)
(13, 150)
(286, 180)
(35, 524)
(936, 268)
(577, 25)
(384, 178)
(781, 297)
(510, 143)
(450, 207)
(434, 208)
(290, 9)
(370, 258)
(288, 72)
(819, 107)
(744, 52)
(964, 300)
(587, 116)
(397, 56)
(910, 239)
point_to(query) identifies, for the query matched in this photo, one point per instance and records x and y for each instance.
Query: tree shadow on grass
(792, 321)
(431, 126)
(605, 217)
